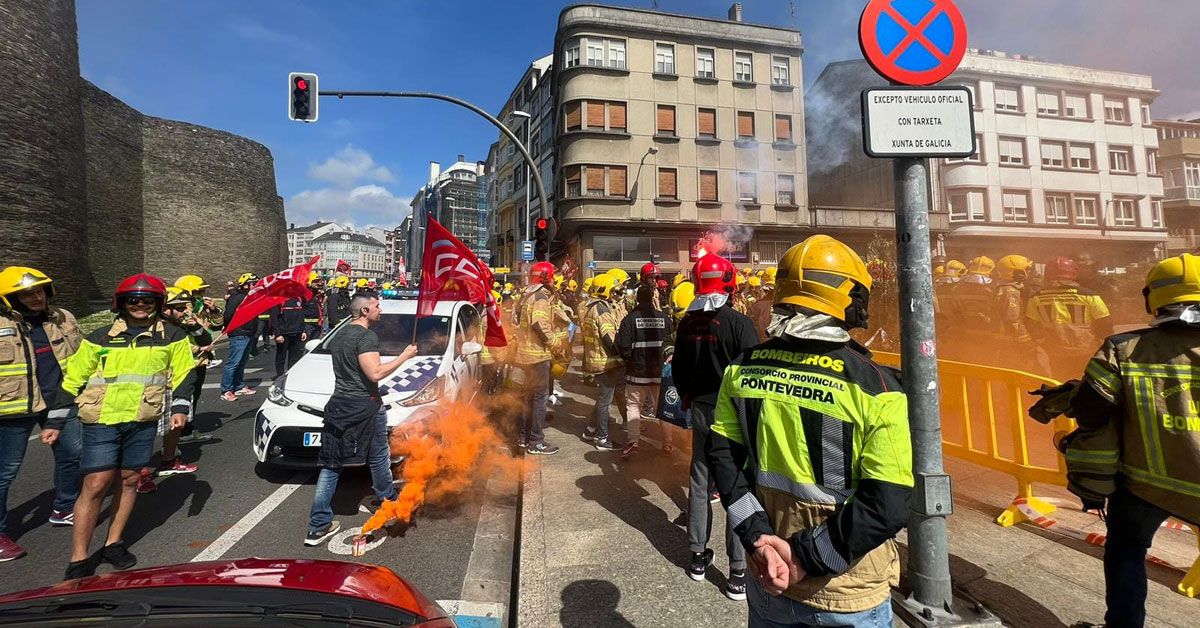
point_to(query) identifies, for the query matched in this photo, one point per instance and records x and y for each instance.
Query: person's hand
(768, 566)
(178, 420)
(409, 353)
(49, 436)
(303, 336)
(209, 303)
(782, 547)
(278, 340)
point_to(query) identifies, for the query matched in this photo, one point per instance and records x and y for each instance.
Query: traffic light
(543, 232)
(302, 97)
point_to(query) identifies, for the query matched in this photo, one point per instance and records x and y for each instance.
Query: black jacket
(287, 318)
(312, 315)
(347, 431)
(337, 307)
(705, 344)
(231, 306)
(641, 340)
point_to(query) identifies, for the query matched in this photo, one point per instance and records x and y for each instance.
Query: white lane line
(240, 529)
(214, 386)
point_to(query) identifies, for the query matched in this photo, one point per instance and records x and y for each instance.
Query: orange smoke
(711, 242)
(444, 459)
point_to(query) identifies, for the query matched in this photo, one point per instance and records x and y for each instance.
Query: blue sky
(224, 64)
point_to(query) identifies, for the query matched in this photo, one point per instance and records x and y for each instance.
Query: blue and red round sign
(913, 42)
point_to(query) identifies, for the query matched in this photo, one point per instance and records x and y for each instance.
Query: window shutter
(787, 183)
(745, 124)
(595, 115)
(706, 124)
(573, 115)
(616, 115)
(666, 183)
(783, 128)
(595, 179)
(708, 185)
(616, 181)
(747, 186)
(572, 174)
(666, 119)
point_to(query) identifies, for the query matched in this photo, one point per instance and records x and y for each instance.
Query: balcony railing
(867, 218)
(1182, 193)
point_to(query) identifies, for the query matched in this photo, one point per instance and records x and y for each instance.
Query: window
(1016, 206)
(616, 53)
(616, 181)
(666, 120)
(974, 89)
(705, 63)
(706, 123)
(1081, 156)
(1119, 160)
(598, 51)
(785, 189)
(1192, 173)
(708, 186)
(743, 67)
(632, 248)
(1053, 154)
(745, 125)
(747, 187)
(1085, 210)
(595, 52)
(667, 180)
(771, 251)
(1077, 106)
(1047, 103)
(574, 116)
(1012, 151)
(1056, 210)
(664, 58)
(571, 178)
(1124, 212)
(783, 129)
(616, 116)
(1156, 214)
(1146, 115)
(977, 158)
(595, 115)
(1114, 110)
(571, 55)
(780, 73)
(966, 205)
(594, 180)
(1152, 160)
(1008, 99)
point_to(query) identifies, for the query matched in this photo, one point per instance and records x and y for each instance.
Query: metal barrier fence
(984, 423)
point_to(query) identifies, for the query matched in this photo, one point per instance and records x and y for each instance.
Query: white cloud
(362, 205)
(253, 31)
(348, 167)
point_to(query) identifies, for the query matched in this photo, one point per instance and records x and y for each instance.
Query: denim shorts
(125, 446)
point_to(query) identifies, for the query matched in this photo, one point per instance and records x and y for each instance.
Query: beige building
(366, 255)
(1179, 163)
(299, 239)
(670, 126)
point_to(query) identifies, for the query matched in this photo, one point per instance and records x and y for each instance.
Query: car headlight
(430, 393)
(275, 392)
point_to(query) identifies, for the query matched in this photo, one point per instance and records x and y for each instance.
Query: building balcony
(1178, 147)
(863, 218)
(1186, 242)
(1186, 196)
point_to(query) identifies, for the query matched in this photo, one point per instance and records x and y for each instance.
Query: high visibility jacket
(122, 374)
(942, 288)
(811, 443)
(641, 339)
(971, 305)
(1065, 317)
(1138, 412)
(20, 394)
(535, 334)
(600, 337)
(1010, 313)
(561, 323)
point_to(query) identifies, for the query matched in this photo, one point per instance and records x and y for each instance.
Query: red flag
(343, 266)
(451, 272)
(273, 290)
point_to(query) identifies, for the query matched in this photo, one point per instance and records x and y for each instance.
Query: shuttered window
(785, 190)
(745, 124)
(706, 123)
(747, 187)
(616, 181)
(667, 183)
(783, 128)
(595, 115)
(708, 185)
(616, 116)
(572, 176)
(595, 180)
(574, 119)
(666, 120)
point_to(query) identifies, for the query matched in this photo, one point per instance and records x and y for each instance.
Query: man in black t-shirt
(355, 425)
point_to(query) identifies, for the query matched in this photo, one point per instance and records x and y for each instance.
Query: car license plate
(312, 439)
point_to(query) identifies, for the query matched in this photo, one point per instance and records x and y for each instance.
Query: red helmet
(662, 284)
(1062, 268)
(649, 272)
(141, 285)
(542, 272)
(714, 275)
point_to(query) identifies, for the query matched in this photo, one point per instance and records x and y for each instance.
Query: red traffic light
(542, 223)
(301, 83)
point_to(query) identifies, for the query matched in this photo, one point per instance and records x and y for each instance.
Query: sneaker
(630, 449)
(318, 537)
(246, 390)
(196, 437)
(522, 441)
(175, 467)
(117, 555)
(62, 518)
(699, 564)
(81, 568)
(605, 444)
(541, 449)
(212, 364)
(229, 395)
(146, 482)
(715, 498)
(735, 586)
(9, 550)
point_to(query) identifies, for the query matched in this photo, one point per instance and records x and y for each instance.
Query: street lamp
(528, 123)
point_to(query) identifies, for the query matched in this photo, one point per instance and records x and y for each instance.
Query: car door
(465, 368)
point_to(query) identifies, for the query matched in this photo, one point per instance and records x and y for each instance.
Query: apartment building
(1178, 160)
(670, 126)
(1067, 162)
(365, 254)
(455, 199)
(299, 239)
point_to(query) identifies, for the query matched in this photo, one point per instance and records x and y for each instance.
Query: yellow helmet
(387, 285)
(1173, 280)
(558, 370)
(361, 283)
(982, 265)
(587, 285)
(955, 268)
(681, 297)
(497, 296)
(769, 275)
(678, 279)
(754, 281)
(313, 276)
(508, 287)
(825, 275)
(340, 282)
(739, 279)
(247, 278)
(558, 281)
(1013, 268)
(939, 271)
(175, 294)
(16, 279)
(190, 283)
(618, 275)
(747, 271)
(572, 285)
(496, 285)
(602, 286)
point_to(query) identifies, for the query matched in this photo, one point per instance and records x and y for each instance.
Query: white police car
(287, 428)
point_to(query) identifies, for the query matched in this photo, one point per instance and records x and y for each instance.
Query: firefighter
(811, 453)
(640, 339)
(204, 309)
(1137, 446)
(760, 311)
(953, 270)
(36, 339)
(1011, 273)
(337, 304)
(1065, 319)
(969, 312)
(314, 312)
(536, 348)
(709, 337)
(205, 312)
(120, 379)
(681, 297)
(601, 357)
(561, 324)
(289, 327)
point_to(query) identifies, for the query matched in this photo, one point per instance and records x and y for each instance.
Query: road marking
(474, 614)
(252, 518)
(341, 545)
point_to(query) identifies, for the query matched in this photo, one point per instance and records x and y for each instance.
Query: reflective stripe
(829, 555)
(645, 344)
(808, 492)
(1108, 457)
(157, 379)
(712, 274)
(1177, 371)
(1148, 421)
(61, 413)
(833, 452)
(10, 370)
(743, 508)
(1109, 384)
(1162, 481)
(644, 380)
(19, 404)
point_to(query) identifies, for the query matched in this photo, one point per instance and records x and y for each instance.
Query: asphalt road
(190, 515)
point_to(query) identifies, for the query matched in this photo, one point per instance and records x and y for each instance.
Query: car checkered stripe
(413, 377)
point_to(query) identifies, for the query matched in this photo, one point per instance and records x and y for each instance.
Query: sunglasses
(178, 307)
(141, 301)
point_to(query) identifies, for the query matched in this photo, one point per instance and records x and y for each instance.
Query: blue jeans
(1132, 523)
(68, 450)
(379, 459)
(235, 363)
(608, 382)
(14, 436)
(768, 611)
(125, 446)
(537, 383)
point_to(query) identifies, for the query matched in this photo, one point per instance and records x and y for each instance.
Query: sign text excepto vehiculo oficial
(918, 122)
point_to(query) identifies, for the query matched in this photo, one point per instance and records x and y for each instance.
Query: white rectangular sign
(918, 122)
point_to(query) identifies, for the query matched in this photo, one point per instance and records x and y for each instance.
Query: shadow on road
(153, 510)
(588, 603)
(30, 515)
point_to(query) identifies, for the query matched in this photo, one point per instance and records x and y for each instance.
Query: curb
(531, 602)
(488, 584)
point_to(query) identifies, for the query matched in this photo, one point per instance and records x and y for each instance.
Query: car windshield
(396, 332)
